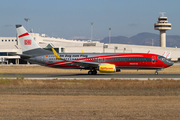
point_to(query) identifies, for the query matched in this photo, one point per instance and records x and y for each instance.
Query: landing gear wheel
(90, 72)
(156, 73)
(94, 72)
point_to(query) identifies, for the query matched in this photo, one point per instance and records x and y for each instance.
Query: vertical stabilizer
(26, 41)
(168, 56)
(164, 54)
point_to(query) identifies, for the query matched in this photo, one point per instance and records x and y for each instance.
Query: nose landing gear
(156, 73)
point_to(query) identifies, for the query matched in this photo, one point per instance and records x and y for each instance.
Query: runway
(86, 76)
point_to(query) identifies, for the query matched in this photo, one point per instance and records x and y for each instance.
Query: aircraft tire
(94, 72)
(90, 72)
(156, 73)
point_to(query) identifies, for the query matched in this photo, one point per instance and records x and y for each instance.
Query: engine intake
(107, 68)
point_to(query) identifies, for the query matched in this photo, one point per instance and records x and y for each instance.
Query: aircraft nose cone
(170, 63)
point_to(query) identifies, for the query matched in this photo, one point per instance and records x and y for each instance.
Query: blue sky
(72, 18)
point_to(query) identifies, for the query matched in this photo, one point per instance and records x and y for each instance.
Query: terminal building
(10, 45)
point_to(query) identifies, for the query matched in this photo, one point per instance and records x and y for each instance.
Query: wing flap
(85, 64)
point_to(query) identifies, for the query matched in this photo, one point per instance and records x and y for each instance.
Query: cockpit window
(165, 60)
(161, 58)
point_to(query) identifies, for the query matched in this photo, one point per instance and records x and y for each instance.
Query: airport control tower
(162, 25)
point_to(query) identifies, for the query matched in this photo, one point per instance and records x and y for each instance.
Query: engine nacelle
(107, 68)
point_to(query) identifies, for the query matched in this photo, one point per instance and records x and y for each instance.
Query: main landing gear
(156, 73)
(94, 72)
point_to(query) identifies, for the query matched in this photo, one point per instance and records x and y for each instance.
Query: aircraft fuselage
(120, 60)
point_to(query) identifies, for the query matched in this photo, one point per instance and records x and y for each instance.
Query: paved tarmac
(86, 76)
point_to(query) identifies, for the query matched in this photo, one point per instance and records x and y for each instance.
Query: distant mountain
(145, 38)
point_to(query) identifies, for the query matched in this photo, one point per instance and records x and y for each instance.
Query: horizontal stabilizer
(22, 55)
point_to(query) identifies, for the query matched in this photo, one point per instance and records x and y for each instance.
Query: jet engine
(107, 68)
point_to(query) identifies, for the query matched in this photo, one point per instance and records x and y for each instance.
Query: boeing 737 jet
(102, 62)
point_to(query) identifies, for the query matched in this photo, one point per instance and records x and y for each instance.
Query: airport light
(109, 35)
(27, 19)
(91, 31)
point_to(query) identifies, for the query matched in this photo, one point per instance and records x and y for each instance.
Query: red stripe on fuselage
(25, 34)
(136, 64)
(59, 63)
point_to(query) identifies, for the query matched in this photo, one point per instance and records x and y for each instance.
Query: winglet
(56, 55)
(82, 51)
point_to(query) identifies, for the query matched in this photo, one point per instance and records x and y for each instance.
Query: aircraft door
(153, 59)
(42, 58)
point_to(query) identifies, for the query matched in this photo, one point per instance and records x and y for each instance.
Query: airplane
(164, 54)
(168, 56)
(102, 62)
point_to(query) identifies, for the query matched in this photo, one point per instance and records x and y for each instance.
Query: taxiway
(86, 76)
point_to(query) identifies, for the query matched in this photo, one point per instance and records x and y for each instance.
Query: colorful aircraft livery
(102, 62)
(27, 42)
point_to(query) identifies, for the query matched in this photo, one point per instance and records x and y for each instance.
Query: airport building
(10, 45)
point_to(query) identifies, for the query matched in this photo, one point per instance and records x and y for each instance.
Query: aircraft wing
(85, 64)
(79, 63)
